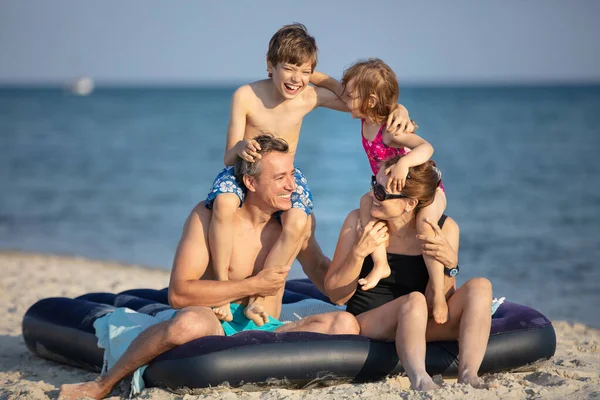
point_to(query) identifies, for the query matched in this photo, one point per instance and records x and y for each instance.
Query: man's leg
(189, 324)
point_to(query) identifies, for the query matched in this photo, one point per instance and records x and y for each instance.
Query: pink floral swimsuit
(377, 151)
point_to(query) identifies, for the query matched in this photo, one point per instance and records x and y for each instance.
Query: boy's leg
(294, 223)
(220, 240)
(381, 268)
(224, 198)
(188, 324)
(435, 269)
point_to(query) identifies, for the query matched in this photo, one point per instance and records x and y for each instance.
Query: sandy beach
(573, 373)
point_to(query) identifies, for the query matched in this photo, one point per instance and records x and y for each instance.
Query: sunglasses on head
(381, 194)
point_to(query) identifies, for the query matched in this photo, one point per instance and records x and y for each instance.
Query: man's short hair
(268, 143)
(292, 44)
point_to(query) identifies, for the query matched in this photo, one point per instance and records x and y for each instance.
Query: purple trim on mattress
(211, 344)
(513, 317)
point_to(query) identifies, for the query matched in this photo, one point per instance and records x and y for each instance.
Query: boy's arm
(237, 125)
(329, 92)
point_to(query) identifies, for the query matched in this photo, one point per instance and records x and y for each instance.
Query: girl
(370, 90)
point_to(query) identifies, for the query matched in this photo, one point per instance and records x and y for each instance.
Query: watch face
(454, 272)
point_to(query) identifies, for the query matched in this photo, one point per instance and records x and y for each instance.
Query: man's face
(290, 79)
(275, 182)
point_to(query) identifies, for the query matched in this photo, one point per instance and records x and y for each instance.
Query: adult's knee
(344, 323)
(412, 304)
(480, 287)
(192, 323)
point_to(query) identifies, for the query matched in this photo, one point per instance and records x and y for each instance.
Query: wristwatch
(451, 271)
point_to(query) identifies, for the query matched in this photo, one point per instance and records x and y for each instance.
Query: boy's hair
(268, 143)
(373, 77)
(422, 181)
(292, 44)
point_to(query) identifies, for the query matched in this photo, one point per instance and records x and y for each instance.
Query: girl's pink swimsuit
(377, 151)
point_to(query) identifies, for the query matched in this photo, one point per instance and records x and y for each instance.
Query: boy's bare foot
(255, 312)
(424, 384)
(378, 272)
(440, 309)
(223, 313)
(87, 390)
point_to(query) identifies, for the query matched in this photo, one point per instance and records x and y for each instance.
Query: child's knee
(225, 206)
(295, 223)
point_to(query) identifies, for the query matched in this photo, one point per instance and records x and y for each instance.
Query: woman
(396, 310)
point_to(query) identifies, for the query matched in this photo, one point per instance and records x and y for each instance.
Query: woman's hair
(422, 181)
(373, 77)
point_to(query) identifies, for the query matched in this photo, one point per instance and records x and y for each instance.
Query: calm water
(114, 175)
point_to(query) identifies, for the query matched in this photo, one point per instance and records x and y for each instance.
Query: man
(269, 182)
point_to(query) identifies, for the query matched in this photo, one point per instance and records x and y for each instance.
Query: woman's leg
(405, 321)
(470, 322)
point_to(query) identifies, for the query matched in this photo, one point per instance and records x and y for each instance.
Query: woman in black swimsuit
(396, 309)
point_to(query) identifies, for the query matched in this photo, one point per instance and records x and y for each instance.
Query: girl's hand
(438, 247)
(247, 150)
(369, 237)
(399, 122)
(397, 177)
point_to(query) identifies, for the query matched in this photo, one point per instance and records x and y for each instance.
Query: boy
(276, 105)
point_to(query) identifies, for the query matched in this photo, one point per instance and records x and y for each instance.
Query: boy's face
(290, 79)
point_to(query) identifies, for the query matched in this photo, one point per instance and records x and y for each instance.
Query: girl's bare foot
(379, 272)
(86, 390)
(223, 313)
(440, 308)
(255, 312)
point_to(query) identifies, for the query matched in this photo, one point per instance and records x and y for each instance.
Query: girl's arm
(421, 151)
(352, 248)
(322, 80)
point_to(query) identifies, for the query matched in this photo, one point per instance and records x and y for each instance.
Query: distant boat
(82, 86)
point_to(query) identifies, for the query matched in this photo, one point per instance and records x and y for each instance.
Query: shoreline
(573, 373)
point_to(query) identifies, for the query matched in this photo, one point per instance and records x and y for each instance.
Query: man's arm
(314, 263)
(191, 262)
(237, 124)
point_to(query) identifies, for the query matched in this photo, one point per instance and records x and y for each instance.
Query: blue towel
(116, 331)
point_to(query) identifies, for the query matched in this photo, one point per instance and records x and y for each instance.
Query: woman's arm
(354, 244)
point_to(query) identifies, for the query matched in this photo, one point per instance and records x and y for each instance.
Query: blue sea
(114, 175)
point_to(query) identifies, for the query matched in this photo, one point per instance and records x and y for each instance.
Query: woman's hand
(438, 247)
(368, 238)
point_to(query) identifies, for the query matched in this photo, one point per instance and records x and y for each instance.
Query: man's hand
(399, 122)
(438, 247)
(269, 281)
(248, 150)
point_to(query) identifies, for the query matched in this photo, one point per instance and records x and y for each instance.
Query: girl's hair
(422, 181)
(373, 77)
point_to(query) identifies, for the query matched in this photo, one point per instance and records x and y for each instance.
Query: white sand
(573, 373)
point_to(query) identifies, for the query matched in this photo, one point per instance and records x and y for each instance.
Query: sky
(214, 42)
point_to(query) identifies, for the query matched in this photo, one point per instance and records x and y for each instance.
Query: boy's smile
(290, 79)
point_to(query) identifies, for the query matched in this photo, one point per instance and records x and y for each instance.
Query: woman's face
(390, 208)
